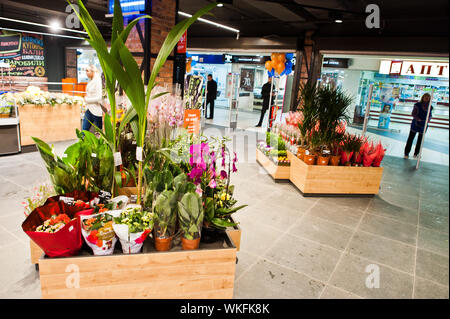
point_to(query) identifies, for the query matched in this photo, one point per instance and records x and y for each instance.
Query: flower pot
(190, 244)
(309, 159)
(348, 164)
(301, 153)
(334, 160)
(163, 244)
(4, 115)
(323, 160)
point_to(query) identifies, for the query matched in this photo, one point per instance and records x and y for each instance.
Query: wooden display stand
(127, 191)
(235, 234)
(48, 123)
(207, 272)
(278, 172)
(35, 252)
(316, 179)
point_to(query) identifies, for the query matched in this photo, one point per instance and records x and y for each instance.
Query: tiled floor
(292, 246)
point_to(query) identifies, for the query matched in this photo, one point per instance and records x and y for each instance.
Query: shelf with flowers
(272, 155)
(51, 116)
(184, 196)
(324, 146)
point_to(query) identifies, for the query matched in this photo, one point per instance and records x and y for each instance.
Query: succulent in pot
(190, 214)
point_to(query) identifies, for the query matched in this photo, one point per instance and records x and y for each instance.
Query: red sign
(182, 43)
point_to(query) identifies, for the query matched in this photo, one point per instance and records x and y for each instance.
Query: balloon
(289, 56)
(273, 57)
(193, 62)
(279, 68)
(188, 67)
(288, 64)
(271, 73)
(269, 65)
(281, 58)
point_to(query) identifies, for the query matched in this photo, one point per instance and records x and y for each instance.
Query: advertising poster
(247, 79)
(387, 104)
(24, 52)
(193, 91)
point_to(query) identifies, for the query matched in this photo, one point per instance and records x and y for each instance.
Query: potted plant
(165, 219)
(190, 214)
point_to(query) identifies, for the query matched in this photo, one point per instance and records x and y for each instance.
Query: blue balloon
(188, 55)
(288, 64)
(271, 73)
(193, 62)
(289, 56)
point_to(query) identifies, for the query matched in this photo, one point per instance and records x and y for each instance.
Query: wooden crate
(278, 172)
(316, 179)
(35, 252)
(48, 123)
(127, 191)
(197, 274)
(235, 234)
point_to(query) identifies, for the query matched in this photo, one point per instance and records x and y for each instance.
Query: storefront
(394, 91)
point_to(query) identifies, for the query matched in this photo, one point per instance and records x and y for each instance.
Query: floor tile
(256, 238)
(268, 280)
(432, 266)
(345, 216)
(304, 256)
(438, 208)
(425, 289)
(349, 202)
(434, 241)
(331, 292)
(434, 222)
(384, 251)
(389, 228)
(351, 275)
(322, 231)
(381, 207)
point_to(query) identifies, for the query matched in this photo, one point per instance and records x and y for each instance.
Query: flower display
(34, 95)
(40, 195)
(54, 223)
(98, 232)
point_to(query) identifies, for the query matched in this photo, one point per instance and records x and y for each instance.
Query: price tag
(67, 200)
(104, 195)
(139, 154)
(117, 159)
(94, 155)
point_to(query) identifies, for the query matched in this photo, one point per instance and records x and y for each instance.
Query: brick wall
(163, 20)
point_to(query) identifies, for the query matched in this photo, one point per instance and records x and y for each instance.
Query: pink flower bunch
(166, 110)
(294, 118)
(203, 163)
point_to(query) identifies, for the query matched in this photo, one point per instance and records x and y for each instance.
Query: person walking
(419, 114)
(265, 92)
(93, 99)
(211, 95)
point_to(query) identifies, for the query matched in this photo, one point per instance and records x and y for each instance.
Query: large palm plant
(120, 67)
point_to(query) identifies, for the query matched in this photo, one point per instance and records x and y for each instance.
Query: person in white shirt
(93, 99)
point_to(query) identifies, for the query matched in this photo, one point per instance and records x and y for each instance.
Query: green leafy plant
(165, 213)
(190, 214)
(120, 64)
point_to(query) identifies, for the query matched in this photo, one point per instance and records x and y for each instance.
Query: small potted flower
(190, 214)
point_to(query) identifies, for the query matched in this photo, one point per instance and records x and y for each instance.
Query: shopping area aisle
(291, 246)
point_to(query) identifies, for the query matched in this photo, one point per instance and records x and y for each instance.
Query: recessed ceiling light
(220, 5)
(338, 21)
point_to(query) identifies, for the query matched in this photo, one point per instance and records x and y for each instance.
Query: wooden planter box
(35, 252)
(316, 179)
(127, 191)
(277, 172)
(196, 274)
(235, 234)
(48, 123)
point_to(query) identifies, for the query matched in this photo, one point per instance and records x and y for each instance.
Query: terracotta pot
(301, 153)
(309, 159)
(348, 164)
(334, 160)
(190, 244)
(4, 115)
(323, 160)
(163, 244)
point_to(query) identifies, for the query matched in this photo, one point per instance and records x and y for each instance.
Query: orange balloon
(269, 65)
(188, 67)
(274, 57)
(279, 67)
(281, 57)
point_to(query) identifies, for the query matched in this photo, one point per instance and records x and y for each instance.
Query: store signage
(181, 46)
(335, 63)
(245, 59)
(414, 68)
(128, 5)
(247, 79)
(24, 53)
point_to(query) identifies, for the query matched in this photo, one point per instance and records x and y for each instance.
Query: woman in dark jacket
(419, 114)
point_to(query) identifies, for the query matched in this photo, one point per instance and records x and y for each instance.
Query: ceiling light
(55, 25)
(43, 33)
(338, 21)
(210, 22)
(220, 5)
(41, 25)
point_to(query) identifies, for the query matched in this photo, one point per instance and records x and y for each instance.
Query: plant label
(117, 159)
(94, 155)
(67, 200)
(139, 154)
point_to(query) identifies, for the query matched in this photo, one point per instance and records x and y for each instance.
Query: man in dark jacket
(265, 92)
(211, 95)
(419, 115)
